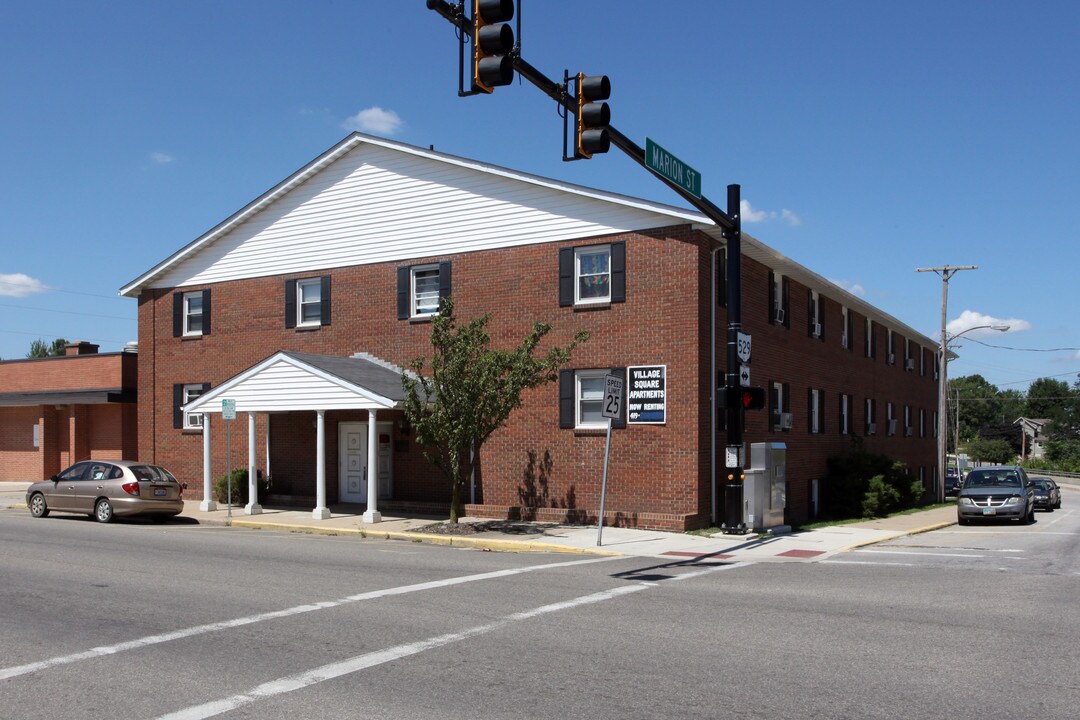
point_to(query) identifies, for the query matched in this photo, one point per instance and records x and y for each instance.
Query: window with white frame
(193, 313)
(871, 425)
(192, 421)
(935, 416)
(845, 414)
(425, 290)
(776, 405)
(922, 422)
(907, 421)
(890, 348)
(869, 338)
(890, 419)
(592, 270)
(816, 313)
(815, 410)
(308, 302)
(845, 334)
(778, 292)
(589, 398)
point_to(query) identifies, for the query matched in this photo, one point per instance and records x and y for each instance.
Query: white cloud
(750, 215)
(854, 288)
(970, 319)
(376, 120)
(161, 158)
(20, 285)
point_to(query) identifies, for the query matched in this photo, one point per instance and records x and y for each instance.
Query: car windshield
(1040, 485)
(990, 478)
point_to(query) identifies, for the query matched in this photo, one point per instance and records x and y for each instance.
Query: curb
(493, 544)
(903, 533)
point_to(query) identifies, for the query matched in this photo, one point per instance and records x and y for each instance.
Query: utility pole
(946, 272)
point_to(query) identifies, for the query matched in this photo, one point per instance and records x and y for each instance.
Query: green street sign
(667, 165)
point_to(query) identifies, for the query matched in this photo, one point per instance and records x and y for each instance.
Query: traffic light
(493, 40)
(593, 115)
(749, 398)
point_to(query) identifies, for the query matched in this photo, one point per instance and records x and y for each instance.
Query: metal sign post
(228, 413)
(612, 408)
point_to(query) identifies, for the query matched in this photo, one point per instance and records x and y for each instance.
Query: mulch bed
(510, 527)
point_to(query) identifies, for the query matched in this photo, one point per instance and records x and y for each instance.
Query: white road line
(919, 554)
(276, 614)
(863, 562)
(708, 570)
(361, 662)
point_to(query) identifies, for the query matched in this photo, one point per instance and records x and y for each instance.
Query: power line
(1006, 347)
(65, 312)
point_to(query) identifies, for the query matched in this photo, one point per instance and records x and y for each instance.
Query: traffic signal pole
(730, 223)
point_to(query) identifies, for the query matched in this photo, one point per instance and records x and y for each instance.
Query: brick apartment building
(303, 306)
(56, 411)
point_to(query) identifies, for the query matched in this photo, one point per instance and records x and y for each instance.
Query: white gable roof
(369, 200)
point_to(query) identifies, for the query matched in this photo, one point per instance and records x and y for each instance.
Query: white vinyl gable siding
(376, 204)
(283, 385)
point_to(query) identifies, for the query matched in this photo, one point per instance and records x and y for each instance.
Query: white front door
(352, 462)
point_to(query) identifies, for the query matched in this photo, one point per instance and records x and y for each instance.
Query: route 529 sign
(613, 397)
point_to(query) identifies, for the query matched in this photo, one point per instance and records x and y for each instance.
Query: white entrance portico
(298, 382)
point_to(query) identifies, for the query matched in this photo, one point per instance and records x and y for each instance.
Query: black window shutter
(785, 289)
(770, 306)
(821, 411)
(810, 311)
(618, 273)
(840, 413)
(178, 314)
(403, 275)
(566, 277)
(324, 300)
(445, 286)
(206, 313)
(290, 303)
(566, 398)
(786, 395)
(619, 423)
(177, 401)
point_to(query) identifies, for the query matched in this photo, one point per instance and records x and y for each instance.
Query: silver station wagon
(108, 488)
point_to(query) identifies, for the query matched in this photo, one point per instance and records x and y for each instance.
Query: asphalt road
(136, 620)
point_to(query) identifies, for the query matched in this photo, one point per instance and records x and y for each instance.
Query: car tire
(962, 521)
(103, 511)
(38, 507)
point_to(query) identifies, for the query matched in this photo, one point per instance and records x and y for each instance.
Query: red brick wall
(70, 372)
(19, 459)
(658, 475)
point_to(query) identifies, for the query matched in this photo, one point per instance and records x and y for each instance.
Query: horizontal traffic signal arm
(558, 93)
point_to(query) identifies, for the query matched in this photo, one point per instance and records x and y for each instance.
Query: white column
(253, 507)
(372, 514)
(208, 503)
(321, 512)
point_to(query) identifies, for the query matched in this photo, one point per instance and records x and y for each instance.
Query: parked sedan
(108, 489)
(996, 492)
(1047, 493)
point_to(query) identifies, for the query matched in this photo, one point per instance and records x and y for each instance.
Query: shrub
(239, 481)
(864, 484)
(880, 497)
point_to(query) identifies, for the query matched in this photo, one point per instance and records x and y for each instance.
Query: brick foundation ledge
(579, 516)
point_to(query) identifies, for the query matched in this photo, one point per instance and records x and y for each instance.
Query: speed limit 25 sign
(613, 397)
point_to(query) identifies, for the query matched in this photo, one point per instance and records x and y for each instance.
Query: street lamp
(943, 403)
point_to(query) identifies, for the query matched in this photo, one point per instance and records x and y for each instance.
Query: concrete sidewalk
(510, 536)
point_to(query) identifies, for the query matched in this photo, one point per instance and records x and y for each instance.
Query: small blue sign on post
(228, 409)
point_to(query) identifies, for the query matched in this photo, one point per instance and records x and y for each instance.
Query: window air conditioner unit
(909, 431)
(909, 364)
(817, 329)
(786, 421)
(892, 358)
(843, 339)
(892, 427)
(871, 428)
(779, 315)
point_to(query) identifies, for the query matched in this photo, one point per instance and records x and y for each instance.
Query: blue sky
(870, 139)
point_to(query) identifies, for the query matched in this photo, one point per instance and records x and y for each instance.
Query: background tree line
(984, 417)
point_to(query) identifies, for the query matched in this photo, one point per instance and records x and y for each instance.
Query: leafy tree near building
(39, 348)
(468, 390)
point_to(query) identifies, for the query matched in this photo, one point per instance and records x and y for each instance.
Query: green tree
(468, 390)
(996, 451)
(40, 349)
(980, 404)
